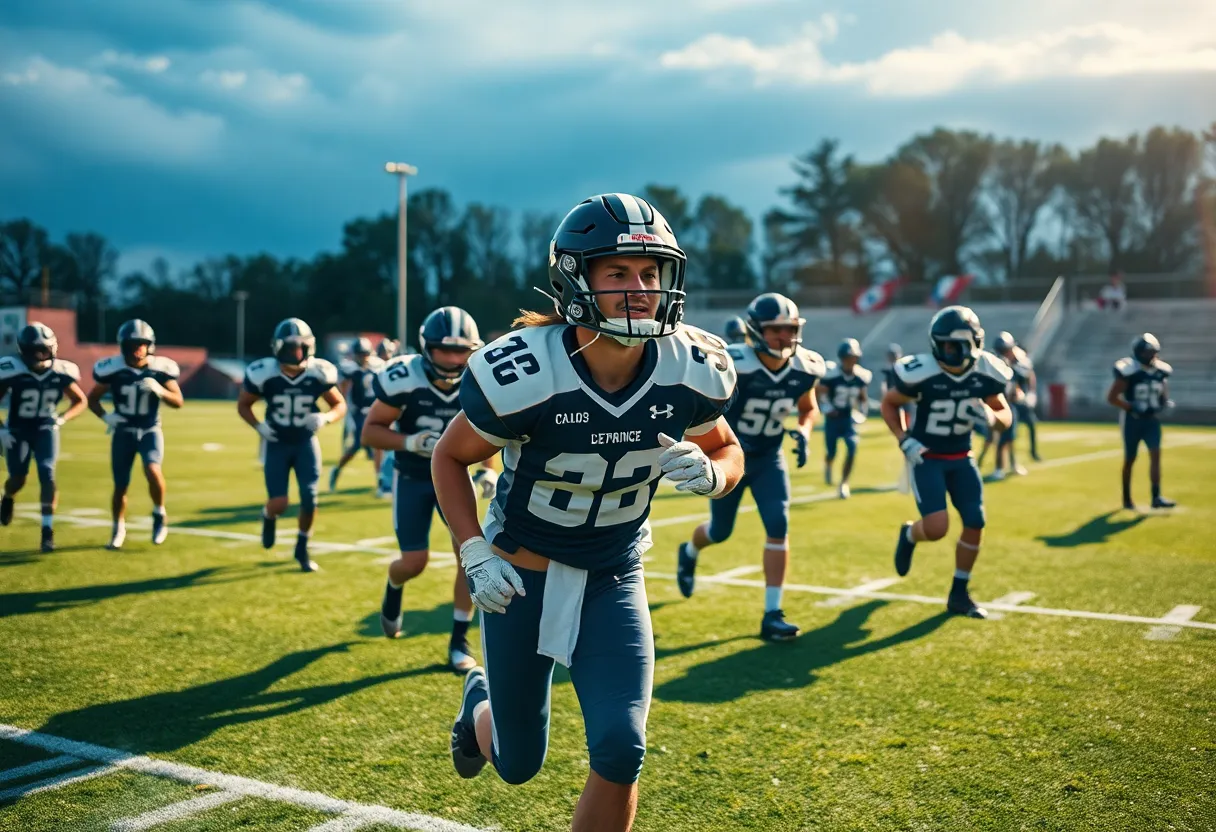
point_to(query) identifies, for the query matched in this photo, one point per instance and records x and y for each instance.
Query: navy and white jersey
(580, 465)
(290, 400)
(403, 383)
(948, 405)
(766, 396)
(888, 377)
(362, 392)
(1144, 384)
(35, 397)
(843, 391)
(140, 407)
(1022, 368)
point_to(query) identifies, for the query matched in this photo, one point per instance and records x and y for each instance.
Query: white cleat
(997, 475)
(119, 537)
(160, 528)
(844, 491)
(1020, 470)
(459, 660)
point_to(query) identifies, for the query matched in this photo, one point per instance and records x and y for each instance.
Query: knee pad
(618, 753)
(519, 768)
(972, 515)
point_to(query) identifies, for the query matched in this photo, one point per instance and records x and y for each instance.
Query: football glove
(313, 422)
(800, 445)
(486, 480)
(6, 438)
(685, 464)
(1032, 400)
(151, 385)
(492, 581)
(859, 418)
(267, 432)
(913, 449)
(113, 421)
(422, 443)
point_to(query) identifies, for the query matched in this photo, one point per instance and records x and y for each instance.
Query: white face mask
(624, 326)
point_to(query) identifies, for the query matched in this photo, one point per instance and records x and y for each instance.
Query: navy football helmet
(956, 337)
(134, 333)
(849, 348)
(386, 349)
(736, 331)
(38, 346)
(361, 348)
(1004, 343)
(616, 224)
(293, 343)
(1145, 348)
(894, 352)
(772, 309)
(452, 328)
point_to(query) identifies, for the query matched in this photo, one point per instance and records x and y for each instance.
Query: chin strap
(589, 343)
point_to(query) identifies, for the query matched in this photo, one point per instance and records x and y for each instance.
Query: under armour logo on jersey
(656, 413)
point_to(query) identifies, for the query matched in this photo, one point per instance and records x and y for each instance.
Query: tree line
(945, 202)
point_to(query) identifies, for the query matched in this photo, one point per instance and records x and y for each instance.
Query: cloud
(154, 64)
(262, 85)
(951, 61)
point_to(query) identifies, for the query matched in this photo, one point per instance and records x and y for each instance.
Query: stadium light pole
(241, 296)
(400, 170)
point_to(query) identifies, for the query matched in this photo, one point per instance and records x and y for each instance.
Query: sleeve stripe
(496, 441)
(703, 428)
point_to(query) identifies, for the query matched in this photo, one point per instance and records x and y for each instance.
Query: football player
(956, 384)
(291, 381)
(1023, 375)
(358, 375)
(777, 377)
(845, 404)
(415, 398)
(138, 381)
(386, 349)
(736, 331)
(588, 405)
(894, 353)
(1141, 391)
(36, 379)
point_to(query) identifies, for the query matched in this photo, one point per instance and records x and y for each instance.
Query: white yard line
(1009, 598)
(52, 764)
(244, 786)
(175, 811)
(344, 823)
(56, 782)
(1179, 615)
(737, 572)
(868, 586)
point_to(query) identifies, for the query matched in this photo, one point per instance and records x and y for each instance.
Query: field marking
(56, 782)
(343, 823)
(1178, 615)
(52, 764)
(175, 811)
(737, 572)
(1010, 598)
(244, 786)
(376, 541)
(868, 586)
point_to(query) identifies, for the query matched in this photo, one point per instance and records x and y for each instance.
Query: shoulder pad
(347, 367)
(989, 364)
(1163, 367)
(66, 368)
(916, 369)
(164, 364)
(809, 362)
(831, 369)
(262, 370)
(376, 363)
(395, 383)
(11, 367)
(323, 370)
(518, 390)
(862, 373)
(108, 366)
(1126, 366)
(712, 375)
(744, 358)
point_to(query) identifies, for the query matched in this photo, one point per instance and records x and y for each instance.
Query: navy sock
(959, 586)
(460, 631)
(391, 608)
(1156, 490)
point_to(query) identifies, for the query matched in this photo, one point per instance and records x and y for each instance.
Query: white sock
(961, 575)
(160, 510)
(120, 527)
(304, 535)
(461, 615)
(691, 550)
(48, 521)
(908, 536)
(478, 708)
(772, 598)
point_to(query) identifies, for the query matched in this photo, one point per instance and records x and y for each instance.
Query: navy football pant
(933, 479)
(1137, 429)
(612, 670)
(353, 438)
(839, 429)
(414, 504)
(40, 446)
(147, 443)
(769, 480)
(281, 458)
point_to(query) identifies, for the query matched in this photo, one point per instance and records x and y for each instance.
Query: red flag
(877, 297)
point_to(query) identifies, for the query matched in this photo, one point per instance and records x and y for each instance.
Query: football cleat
(960, 603)
(459, 659)
(1163, 502)
(1020, 470)
(466, 754)
(774, 627)
(390, 611)
(48, 540)
(844, 491)
(903, 551)
(268, 531)
(160, 529)
(686, 571)
(1129, 505)
(117, 538)
(997, 475)
(306, 565)
(6, 510)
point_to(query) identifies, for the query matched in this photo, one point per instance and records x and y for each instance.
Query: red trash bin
(1057, 401)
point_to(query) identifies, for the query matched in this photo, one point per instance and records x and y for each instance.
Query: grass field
(210, 653)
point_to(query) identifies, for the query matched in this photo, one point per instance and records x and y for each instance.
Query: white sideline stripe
(343, 823)
(62, 761)
(56, 782)
(868, 586)
(941, 602)
(1009, 598)
(376, 541)
(796, 501)
(1178, 615)
(174, 811)
(228, 782)
(737, 572)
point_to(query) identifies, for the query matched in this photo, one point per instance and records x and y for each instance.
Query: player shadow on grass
(1097, 530)
(785, 666)
(171, 720)
(51, 600)
(436, 621)
(229, 515)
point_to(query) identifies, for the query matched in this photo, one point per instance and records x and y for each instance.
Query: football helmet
(849, 348)
(956, 337)
(450, 327)
(132, 334)
(361, 348)
(1004, 343)
(736, 331)
(386, 349)
(894, 352)
(290, 334)
(610, 224)
(772, 309)
(38, 346)
(1145, 348)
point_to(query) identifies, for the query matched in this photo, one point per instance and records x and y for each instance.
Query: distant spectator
(1113, 296)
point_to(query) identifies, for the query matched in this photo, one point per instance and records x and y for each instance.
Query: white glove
(422, 443)
(313, 422)
(1032, 400)
(685, 464)
(6, 438)
(59, 421)
(914, 450)
(859, 418)
(492, 581)
(113, 421)
(267, 432)
(152, 386)
(486, 480)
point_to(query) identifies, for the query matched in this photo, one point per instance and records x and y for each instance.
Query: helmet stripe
(633, 211)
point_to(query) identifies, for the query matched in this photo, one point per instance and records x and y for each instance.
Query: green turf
(883, 715)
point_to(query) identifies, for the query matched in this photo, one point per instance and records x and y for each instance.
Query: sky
(194, 128)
